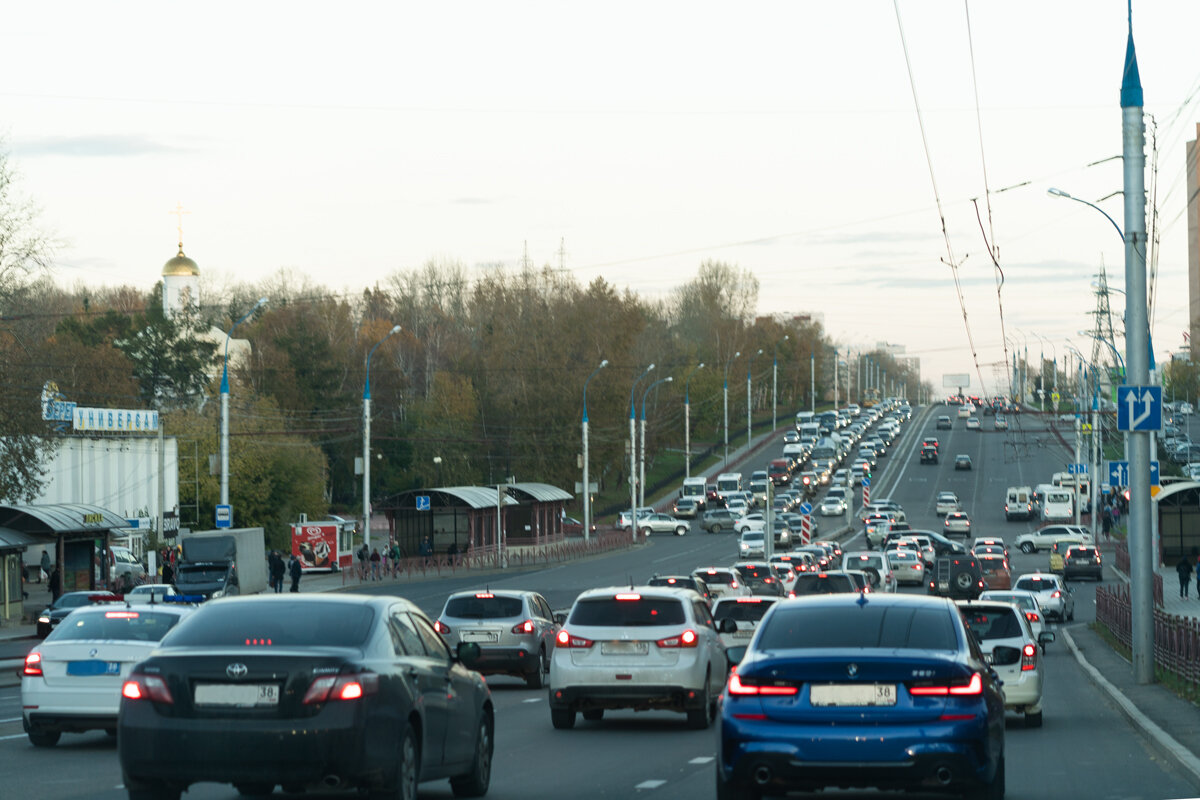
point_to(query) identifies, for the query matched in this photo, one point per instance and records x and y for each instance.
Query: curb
(1181, 755)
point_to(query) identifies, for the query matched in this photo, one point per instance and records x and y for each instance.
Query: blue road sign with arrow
(422, 502)
(806, 508)
(1118, 473)
(1139, 408)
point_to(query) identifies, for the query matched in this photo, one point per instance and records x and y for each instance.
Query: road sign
(1077, 469)
(224, 516)
(805, 529)
(422, 502)
(806, 508)
(867, 481)
(1118, 473)
(1139, 408)
(1055, 396)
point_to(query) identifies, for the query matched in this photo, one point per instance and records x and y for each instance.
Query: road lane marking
(14, 719)
(532, 700)
(649, 785)
(702, 760)
(16, 736)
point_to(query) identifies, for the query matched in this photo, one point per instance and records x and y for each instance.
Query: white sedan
(71, 682)
(907, 565)
(833, 507)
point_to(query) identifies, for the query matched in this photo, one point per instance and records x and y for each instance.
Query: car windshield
(867, 626)
(115, 625)
(749, 535)
(200, 574)
(742, 612)
(227, 624)
(637, 612)
(1020, 600)
(483, 606)
(992, 623)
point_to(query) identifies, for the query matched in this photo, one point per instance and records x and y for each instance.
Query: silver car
(514, 629)
(642, 647)
(1053, 595)
(746, 613)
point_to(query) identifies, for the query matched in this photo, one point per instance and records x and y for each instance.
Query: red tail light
(686, 639)
(143, 687)
(341, 687)
(33, 665)
(972, 687)
(1033, 616)
(1028, 657)
(1056, 594)
(566, 640)
(523, 627)
(749, 687)
(441, 627)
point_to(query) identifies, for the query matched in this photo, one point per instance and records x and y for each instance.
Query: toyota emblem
(852, 670)
(92, 653)
(236, 671)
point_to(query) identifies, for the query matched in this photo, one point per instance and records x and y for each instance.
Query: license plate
(624, 648)
(853, 694)
(240, 695)
(945, 587)
(742, 634)
(92, 668)
(479, 636)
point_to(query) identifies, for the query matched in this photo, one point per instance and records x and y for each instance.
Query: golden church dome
(180, 265)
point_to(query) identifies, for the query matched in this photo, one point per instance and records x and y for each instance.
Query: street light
(633, 506)
(775, 384)
(1060, 193)
(642, 477)
(687, 424)
(225, 406)
(587, 492)
(727, 365)
(367, 440)
(749, 364)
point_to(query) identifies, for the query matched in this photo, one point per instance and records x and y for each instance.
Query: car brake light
(440, 626)
(1033, 616)
(686, 639)
(141, 687)
(972, 687)
(1028, 657)
(341, 687)
(747, 688)
(121, 614)
(733, 584)
(1056, 594)
(33, 665)
(566, 640)
(628, 596)
(749, 600)
(485, 595)
(523, 627)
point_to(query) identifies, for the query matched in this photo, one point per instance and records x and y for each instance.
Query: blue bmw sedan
(862, 690)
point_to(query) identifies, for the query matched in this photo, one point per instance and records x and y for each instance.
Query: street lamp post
(225, 405)
(367, 440)
(587, 491)
(642, 470)
(749, 407)
(633, 506)
(726, 392)
(687, 423)
(775, 384)
(812, 382)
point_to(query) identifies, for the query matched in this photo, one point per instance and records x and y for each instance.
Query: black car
(929, 454)
(684, 582)
(307, 691)
(944, 423)
(957, 576)
(49, 618)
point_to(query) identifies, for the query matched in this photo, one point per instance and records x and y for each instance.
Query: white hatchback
(722, 582)
(875, 565)
(1008, 642)
(746, 612)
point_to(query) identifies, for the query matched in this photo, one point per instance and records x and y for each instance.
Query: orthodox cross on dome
(179, 212)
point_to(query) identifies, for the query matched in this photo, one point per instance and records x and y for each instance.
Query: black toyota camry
(306, 691)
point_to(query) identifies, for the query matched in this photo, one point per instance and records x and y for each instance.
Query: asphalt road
(1086, 748)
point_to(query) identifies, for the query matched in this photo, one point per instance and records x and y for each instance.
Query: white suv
(1044, 538)
(722, 582)
(1008, 643)
(647, 647)
(876, 565)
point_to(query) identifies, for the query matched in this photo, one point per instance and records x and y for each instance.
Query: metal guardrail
(1176, 638)
(1121, 559)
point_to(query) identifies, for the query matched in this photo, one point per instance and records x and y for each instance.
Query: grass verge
(1166, 678)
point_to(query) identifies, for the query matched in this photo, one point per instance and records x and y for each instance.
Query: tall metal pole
(633, 457)
(587, 491)
(1137, 351)
(225, 406)
(367, 440)
(812, 381)
(835, 380)
(687, 424)
(775, 385)
(726, 392)
(749, 365)
(642, 480)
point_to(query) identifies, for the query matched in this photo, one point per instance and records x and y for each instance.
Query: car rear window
(476, 607)
(118, 624)
(680, 583)
(1034, 584)
(991, 562)
(720, 576)
(858, 626)
(742, 612)
(1080, 552)
(823, 584)
(225, 624)
(992, 623)
(640, 612)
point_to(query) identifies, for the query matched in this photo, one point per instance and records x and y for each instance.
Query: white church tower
(181, 278)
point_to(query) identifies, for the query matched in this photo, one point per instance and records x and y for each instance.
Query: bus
(729, 482)
(826, 449)
(696, 488)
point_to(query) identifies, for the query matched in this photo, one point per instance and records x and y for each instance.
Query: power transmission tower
(1103, 330)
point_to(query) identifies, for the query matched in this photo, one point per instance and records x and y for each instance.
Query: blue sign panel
(806, 508)
(1118, 473)
(1077, 469)
(866, 481)
(1139, 408)
(422, 502)
(224, 516)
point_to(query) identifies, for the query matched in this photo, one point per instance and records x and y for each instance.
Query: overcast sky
(348, 141)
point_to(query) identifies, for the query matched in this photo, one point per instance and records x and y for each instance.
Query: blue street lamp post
(749, 405)
(727, 365)
(225, 405)
(687, 424)
(633, 506)
(642, 470)
(587, 491)
(775, 384)
(367, 439)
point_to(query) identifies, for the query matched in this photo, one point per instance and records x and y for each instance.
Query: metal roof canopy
(69, 520)
(15, 540)
(541, 492)
(472, 496)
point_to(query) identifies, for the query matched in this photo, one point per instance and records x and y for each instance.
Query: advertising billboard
(315, 544)
(956, 380)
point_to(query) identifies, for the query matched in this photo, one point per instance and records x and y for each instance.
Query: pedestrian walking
(55, 585)
(168, 573)
(375, 559)
(1184, 569)
(277, 569)
(47, 567)
(295, 571)
(427, 549)
(363, 554)
(1106, 522)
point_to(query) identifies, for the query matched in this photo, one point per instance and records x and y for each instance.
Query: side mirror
(735, 654)
(560, 619)
(1004, 655)
(467, 653)
(1045, 637)
(727, 625)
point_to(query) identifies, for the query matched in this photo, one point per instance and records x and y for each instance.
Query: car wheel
(964, 581)
(1027, 547)
(1071, 616)
(150, 790)
(716, 528)
(254, 789)
(681, 530)
(594, 714)
(994, 790)
(537, 678)
(700, 718)
(646, 532)
(40, 738)
(1033, 720)
(729, 790)
(474, 782)
(562, 718)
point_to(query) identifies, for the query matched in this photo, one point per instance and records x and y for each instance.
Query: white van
(122, 561)
(1055, 503)
(1018, 503)
(803, 418)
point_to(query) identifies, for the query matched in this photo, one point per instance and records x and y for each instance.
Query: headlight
(218, 593)
(43, 620)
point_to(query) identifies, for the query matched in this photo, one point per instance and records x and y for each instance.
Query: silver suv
(642, 647)
(514, 629)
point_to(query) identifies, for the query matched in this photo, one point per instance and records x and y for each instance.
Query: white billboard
(956, 380)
